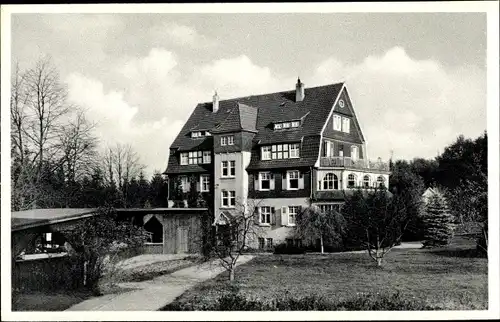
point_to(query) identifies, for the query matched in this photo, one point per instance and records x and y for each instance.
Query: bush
(284, 248)
(438, 221)
(235, 301)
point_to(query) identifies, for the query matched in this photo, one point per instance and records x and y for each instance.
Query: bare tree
(45, 105)
(233, 234)
(18, 100)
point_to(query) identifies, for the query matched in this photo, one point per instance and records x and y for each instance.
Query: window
(266, 153)
(337, 123)
(298, 242)
(289, 242)
(330, 182)
(230, 140)
(354, 153)
(293, 180)
(292, 214)
(228, 198)
(195, 157)
(185, 184)
(269, 243)
(184, 158)
(207, 133)
(265, 215)
(265, 180)
(295, 123)
(366, 181)
(196, 134)
(207, 157)
(294, 150)
(262, 243)
(232, 168)
(205, 182)
(327, 149)
(351, 180)
(223, 140)
(345, 124)
(380, 181)
(286, 125)
(278, 126)
(329, 207)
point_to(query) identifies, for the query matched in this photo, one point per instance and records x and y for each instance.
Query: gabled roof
(263, 111)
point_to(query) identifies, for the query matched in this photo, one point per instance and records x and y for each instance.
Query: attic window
(286, 125)
(278, 126)
(199, 134)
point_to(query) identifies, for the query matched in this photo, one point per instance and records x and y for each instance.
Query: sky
(416, 80)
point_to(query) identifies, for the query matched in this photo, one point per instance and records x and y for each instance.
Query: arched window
(380, 181)
(366, 181)
(351, 180)
(330, 182)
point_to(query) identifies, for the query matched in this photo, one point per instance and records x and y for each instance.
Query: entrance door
(182, 240)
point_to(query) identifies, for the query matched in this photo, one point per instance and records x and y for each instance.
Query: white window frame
(184, 158)
(346, 124)
(232, 168)
(278, 126)
(207, 157)
(326, 180)
(230, 197)
(224, 165)
(329, 206)
(337, 123)
(196, 134)
(230, 140)
(264, 176)
(265, 153)
(295, 147)
(265, 215)
(205, 183)
(292, 214)
(289, 177)
(380, 180)
(223, 140)
(286, 125)
(295, 123)
(367, 183)
(355, 178)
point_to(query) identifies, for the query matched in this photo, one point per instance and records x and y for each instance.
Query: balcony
(347, 162)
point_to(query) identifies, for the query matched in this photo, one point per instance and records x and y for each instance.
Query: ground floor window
(269, 243)
(290, 242)
(262, 243)
(265, 215)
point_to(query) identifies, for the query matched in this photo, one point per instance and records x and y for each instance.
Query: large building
(275, 153)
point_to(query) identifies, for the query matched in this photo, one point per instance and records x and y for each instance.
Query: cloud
(413, 107)
(181, 35)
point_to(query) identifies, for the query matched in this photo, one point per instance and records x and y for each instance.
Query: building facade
(274, 154)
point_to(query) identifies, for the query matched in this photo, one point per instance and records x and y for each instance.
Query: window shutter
(328, 152)
(273, 216)
(256, 182)
(284, 216)
(271, 182)
(301, 181)
(256, 215)
(332, 149)
(283, 181)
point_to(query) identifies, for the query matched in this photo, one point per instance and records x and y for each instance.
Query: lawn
(451, 278)
(42, 301)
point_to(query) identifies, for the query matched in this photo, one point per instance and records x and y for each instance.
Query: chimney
(299, 91)
(215, 103)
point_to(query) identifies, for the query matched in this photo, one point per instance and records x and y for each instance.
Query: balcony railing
(347, 162)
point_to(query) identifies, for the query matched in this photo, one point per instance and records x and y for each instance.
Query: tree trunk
(322, 247)
(231, 274)
(379, 261)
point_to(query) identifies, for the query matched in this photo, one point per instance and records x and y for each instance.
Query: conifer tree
(438, 221)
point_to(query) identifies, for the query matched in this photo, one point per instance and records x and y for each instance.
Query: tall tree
(158, 190)
(438, 221)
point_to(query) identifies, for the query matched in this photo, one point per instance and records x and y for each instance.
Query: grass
(443, 278)
(41, 301)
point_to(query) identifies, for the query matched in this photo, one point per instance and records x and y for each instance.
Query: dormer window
(286, 125)
(295, 124)
(195, 134)
(227, 140)
(278, 126)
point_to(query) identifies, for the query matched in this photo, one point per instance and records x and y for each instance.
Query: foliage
(438, 221)
(193, 194)
(329, 227)
(158, 191)
(408, 186)
(375, 220)
(236, 301)
(178, 194)
(100, 235)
